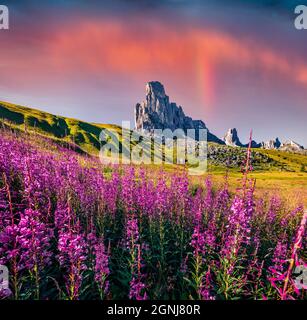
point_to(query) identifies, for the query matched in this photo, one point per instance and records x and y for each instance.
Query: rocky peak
(231, 138)
(290, 145)
(155, 88)
(271, 144)
(157, 112)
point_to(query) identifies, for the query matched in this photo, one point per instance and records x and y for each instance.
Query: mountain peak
(271, 144)
(155, 88)
(157, 112)
(231, 138)
(290, 145)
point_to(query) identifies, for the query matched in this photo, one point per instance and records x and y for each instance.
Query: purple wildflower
(34, 241)
(136, 290)
(72, 256)
(137, 286)
(101, 268)
(132, 232)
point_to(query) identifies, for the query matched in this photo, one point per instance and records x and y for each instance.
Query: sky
(229, 63)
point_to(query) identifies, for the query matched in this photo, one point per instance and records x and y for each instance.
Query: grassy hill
(86, 136)
(83, 134)
(73, 132)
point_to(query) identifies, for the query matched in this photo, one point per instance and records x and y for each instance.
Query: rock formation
(157, 112)
(271, 144)
(231, 138)
(290, 145)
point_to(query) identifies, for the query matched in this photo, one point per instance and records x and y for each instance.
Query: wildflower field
(71, 228)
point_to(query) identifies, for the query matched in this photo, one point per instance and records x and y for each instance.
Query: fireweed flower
(278, 268)
(277, 271)
(33, 239)
(110, 192)
(90, 190)
(198, 239)
(205, 290)
(64, 217)
(101, 268)
(145, 194)
(128, 190)
(132, 239)
(72, 256)
(10, 254)
(91, 239)
(61, 216)
(136, 289)
(279, 258)
(292, 215)
(210, 235)
(29, 241)
(26, 246)
(162, 203)
(137, 286)
(132, 233)
(50, 189)
(221, 202)
(198, 244)
(238, 224)
(209, 195)
(180, 193)
(294, 258)
(184, 265)
(6, 214)
(8, 249)
(275, 205)
(36, 179)
(34, 242)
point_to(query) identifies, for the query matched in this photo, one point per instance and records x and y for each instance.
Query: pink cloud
(190, 56)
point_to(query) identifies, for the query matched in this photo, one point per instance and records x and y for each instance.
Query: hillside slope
(83, 134)
(86, 136)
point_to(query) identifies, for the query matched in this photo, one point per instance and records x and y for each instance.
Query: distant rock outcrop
(157, 112)
(254, 144)
(271, 144)
(231, 138)
(290, 145)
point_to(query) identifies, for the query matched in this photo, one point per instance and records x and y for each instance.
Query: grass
(295, 160)
(291, 185)
(84, 134)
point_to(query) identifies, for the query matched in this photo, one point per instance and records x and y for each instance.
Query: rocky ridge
(158, 112)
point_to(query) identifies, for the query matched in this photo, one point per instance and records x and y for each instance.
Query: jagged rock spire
(231, 138)
(157, 112)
